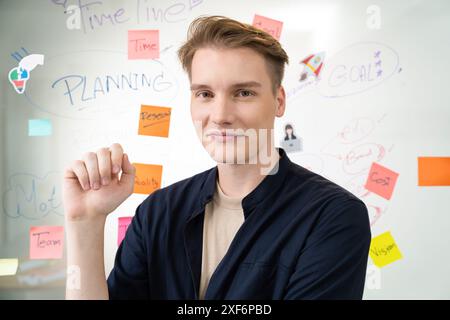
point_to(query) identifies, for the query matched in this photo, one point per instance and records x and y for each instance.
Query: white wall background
(345, 125)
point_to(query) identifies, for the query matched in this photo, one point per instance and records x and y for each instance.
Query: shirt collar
(226, 202)
(269, 185)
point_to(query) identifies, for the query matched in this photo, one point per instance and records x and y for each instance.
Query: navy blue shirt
(303, 237)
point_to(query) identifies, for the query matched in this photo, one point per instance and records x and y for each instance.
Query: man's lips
(224, 133)
(224, 138)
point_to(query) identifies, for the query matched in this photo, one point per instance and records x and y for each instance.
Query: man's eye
(204, 94)
(245, 93)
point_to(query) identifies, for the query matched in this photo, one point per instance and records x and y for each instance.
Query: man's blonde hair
(223, 32)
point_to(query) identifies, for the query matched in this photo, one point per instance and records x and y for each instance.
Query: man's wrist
(96, 219)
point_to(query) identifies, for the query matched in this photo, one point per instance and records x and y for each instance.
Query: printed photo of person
(291, 143)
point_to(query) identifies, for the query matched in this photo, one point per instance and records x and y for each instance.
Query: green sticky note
(39, 127)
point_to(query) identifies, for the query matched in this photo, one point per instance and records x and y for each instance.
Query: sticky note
(148, 178)
(143, 44)
(271, 26)
(46, 242)
(8, 267)
(124, 222)
(154, 121)
(381, 181)
(384, 250)
(434, 171)
(39, 127)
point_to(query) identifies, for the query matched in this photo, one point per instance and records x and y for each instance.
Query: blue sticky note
(39, 127)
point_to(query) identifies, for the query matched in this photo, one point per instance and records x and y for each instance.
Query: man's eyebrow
(195, 86)
(248, 84)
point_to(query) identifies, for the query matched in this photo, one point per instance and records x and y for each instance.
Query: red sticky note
(46, 242)
(143, 44)
(381, 181)
(124, 222)
(271, 26)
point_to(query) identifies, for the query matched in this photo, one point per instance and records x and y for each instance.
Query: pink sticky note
(46, 242)
(143, 44)
(381, 181)
(124, 222)
(271, 26)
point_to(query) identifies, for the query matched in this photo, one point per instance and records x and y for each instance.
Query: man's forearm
(85, 260)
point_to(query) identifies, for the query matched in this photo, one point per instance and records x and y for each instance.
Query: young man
(256, 226)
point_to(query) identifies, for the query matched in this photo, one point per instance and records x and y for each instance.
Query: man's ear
(281, 101)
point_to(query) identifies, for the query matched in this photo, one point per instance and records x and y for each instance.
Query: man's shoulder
(330, 204)
(316, 183)
(330, 198)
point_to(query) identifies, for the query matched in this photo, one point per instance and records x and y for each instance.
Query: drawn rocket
(312, 65)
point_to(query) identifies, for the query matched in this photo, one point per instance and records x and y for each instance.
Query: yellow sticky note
(8, 267)
(384, 250)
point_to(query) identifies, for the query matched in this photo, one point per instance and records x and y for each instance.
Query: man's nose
(222, 112)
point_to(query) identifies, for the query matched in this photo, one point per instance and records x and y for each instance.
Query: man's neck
(238, 180)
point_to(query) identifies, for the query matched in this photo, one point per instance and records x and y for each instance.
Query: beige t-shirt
(223, 217)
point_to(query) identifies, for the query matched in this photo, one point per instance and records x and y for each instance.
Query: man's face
(232, 94)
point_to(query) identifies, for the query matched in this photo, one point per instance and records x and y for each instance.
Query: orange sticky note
(434, 171)
(46, 242)
(271, 26)
(148, 178)
(154, 121)
(381, 180)
(143, 44)
(124, 222)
